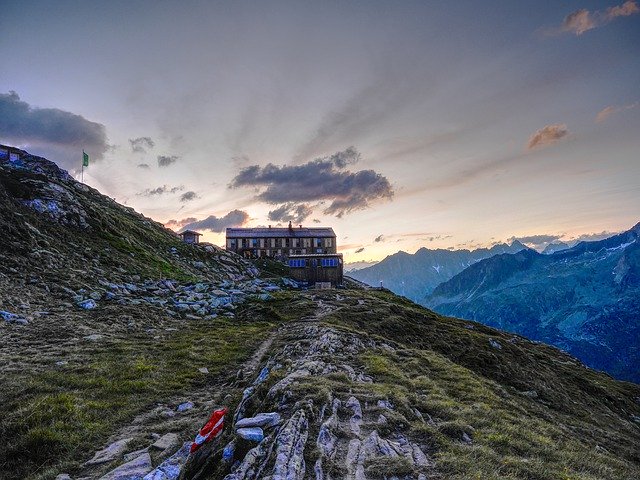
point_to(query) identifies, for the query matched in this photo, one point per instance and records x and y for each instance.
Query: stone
(13, 318)
(110, 453)
(495, 344)
(228, 451)
(93, 338)
(130, 456)
(88, 304)
(183, 407)
(203, 370)
(356, 419)
(290, 443)
(63, 476)
(264, 420)
(170, 469)
(135, 469)
(253, 434)
(169, 440)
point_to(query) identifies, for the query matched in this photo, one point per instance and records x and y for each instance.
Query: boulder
(136, 469)
(110, 453)
(253, 434)
(264, 420)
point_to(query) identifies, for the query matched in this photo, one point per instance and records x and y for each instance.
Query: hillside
(416, 275)
(585, 300)
(119, 341)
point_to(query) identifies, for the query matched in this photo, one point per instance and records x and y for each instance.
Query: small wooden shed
(189, 236)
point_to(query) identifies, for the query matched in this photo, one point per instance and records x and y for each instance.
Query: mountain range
(584, 299)
(416, 275)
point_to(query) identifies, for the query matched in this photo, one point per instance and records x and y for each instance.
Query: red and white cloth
(211, 429)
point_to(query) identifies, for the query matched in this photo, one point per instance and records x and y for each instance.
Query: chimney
(300, 226)
(269, 226)
(290, 227)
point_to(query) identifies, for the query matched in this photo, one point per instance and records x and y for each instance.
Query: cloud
(583, 20)
(360, 250)
(234, 218)
(592, 237)
(578, 22)
(627, 8)
(322, 179)
(536, 241)
(144, 165)
(188, 196)
(141, 144)
(160, 190)
(179, 223)
(606, 112)
(379, 238)
(165, 161)
(547, 135)
(291, 212)
(56, 133)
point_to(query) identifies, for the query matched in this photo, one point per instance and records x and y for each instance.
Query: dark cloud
(165, 161)
(144, 165)
(379, 238)
(141, 144)
(583, 20)
(291, 212)
(318, 180)
(349, 156)
(547, 135)
(360, 250)
(55, 133)
(180, 223)
(149, 192)
(188, 196)
(234, 218)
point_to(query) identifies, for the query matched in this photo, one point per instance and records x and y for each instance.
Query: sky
(400, 124)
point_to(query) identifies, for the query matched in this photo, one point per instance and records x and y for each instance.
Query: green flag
(85, 159)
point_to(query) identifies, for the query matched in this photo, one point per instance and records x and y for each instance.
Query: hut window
(296, 262)
(329, 262)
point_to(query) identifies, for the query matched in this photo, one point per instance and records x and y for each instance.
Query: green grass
(49, 418)
(578, 426)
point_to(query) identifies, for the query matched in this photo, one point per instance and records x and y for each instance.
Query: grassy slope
(577, 425)
(53, 417)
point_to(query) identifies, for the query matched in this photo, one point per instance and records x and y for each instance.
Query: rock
(253, 434)
(170, 469)
(228, 451)
(251, 465)
(109, 453)
(203, 370)
(130, 456)
(88, 304)
(495, 344)
(136, 469)
(264, 420)
(169, 440)
(356, 419)
(93, 338)
(63, 476)
(13, 318)
(290, 444)
(183, 407)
